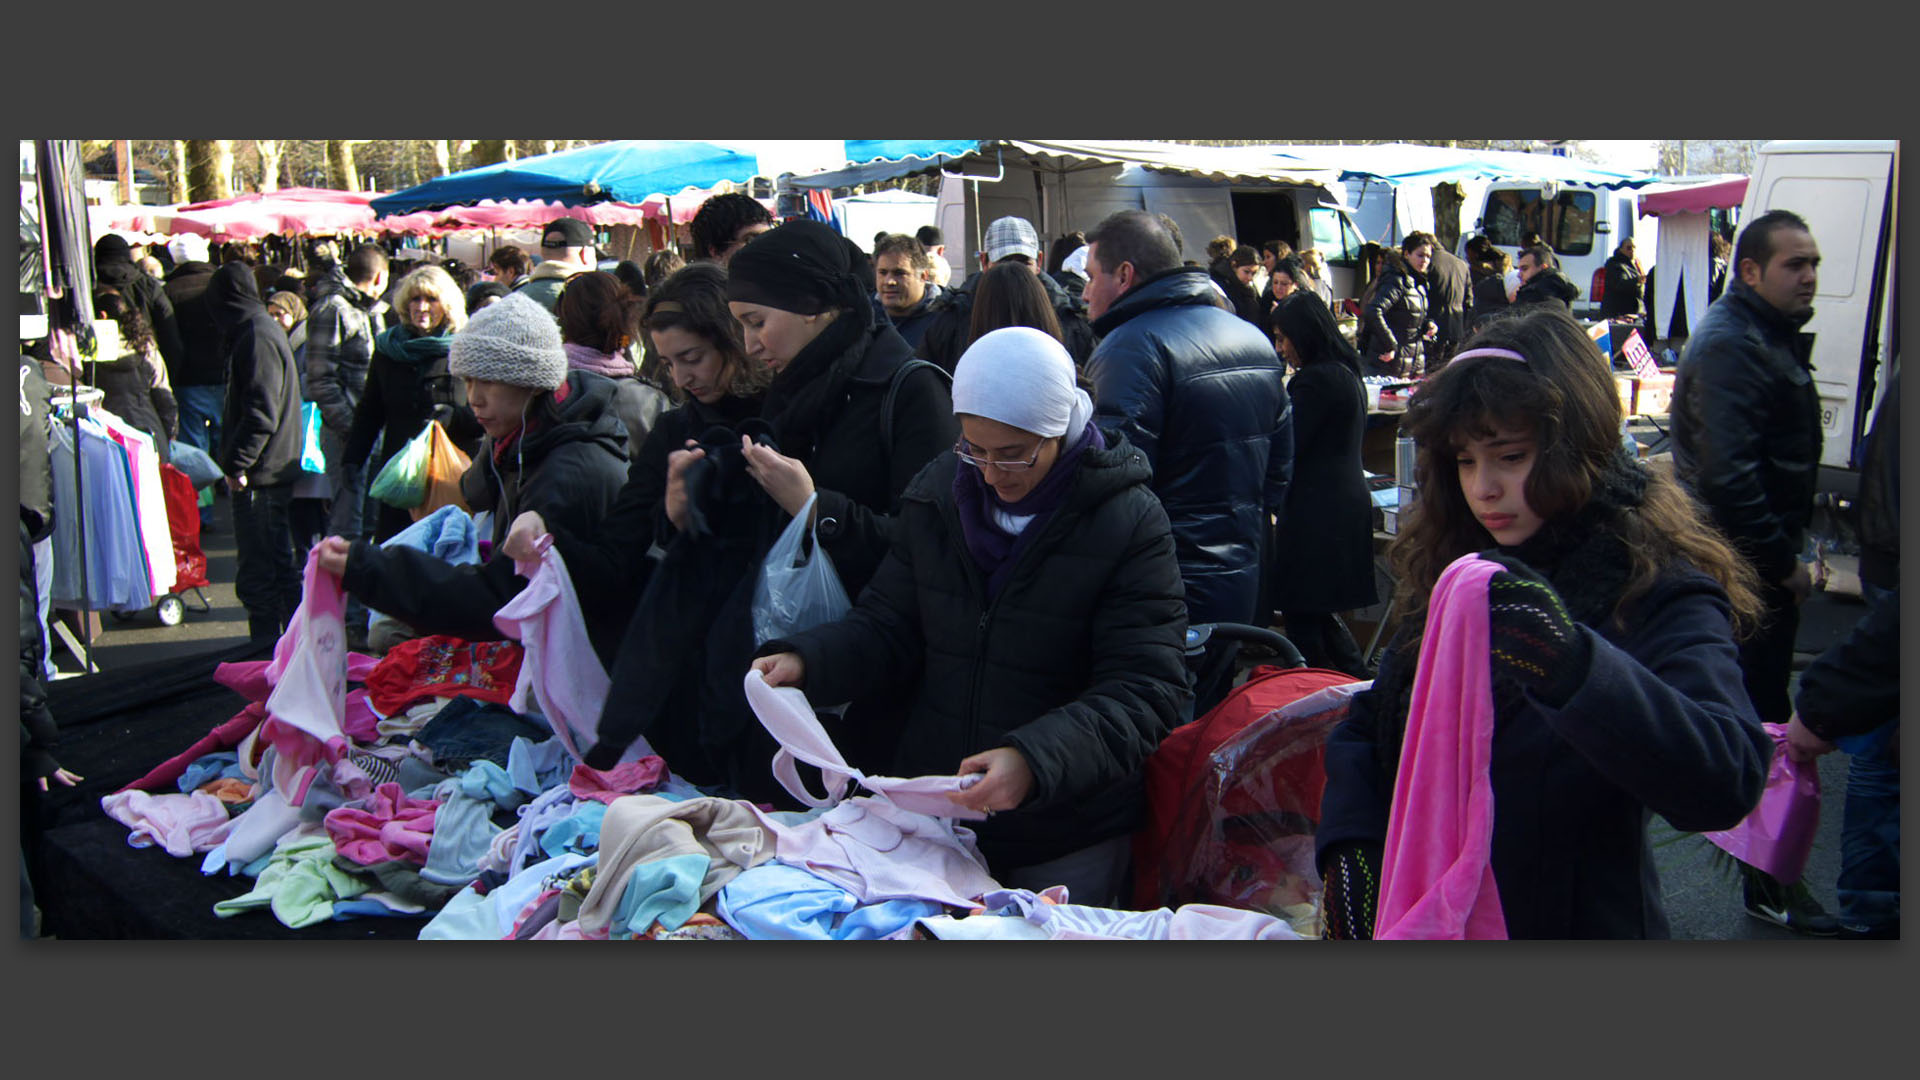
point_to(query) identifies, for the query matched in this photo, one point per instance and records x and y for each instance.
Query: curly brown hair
(694, 299)
(1566, 395)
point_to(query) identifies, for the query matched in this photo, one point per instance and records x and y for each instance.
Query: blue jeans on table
(1869, 885)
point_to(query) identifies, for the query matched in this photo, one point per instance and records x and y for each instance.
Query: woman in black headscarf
(847, 418)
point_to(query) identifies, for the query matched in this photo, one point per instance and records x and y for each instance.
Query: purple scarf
(587, 358)
(993, 548)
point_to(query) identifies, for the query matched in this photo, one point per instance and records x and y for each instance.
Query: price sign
(1640, 356)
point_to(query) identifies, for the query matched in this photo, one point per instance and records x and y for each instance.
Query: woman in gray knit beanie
(554, 445)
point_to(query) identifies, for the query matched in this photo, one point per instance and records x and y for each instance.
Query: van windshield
(1565, 222)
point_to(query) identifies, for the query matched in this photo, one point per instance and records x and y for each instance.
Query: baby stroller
(190, 563)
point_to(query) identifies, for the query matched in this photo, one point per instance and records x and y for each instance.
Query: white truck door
(1842, 195)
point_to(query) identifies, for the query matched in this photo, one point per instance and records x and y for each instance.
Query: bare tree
(209, 169)
(442, 157)
(341, 172)
(177, 173)
(271, 151)
(490, 152)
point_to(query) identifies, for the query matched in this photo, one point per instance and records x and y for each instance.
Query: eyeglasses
(964, 451)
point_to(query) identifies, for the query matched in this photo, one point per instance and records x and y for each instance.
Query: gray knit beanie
(513, 341)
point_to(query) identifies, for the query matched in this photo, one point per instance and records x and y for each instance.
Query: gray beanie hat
(513, 341)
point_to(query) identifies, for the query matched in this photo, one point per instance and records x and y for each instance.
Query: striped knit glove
(1351, 876)
(1536, 644)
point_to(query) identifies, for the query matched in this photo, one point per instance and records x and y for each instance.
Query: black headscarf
(807, 268)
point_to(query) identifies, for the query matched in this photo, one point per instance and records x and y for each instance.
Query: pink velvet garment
(307, 707)
(898, 844)
(224, 737)
(632, 778)
(1436, 877)
(560, 669)
(390, 827)
(181, 824)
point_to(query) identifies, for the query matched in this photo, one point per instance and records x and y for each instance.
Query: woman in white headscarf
(1032, 604)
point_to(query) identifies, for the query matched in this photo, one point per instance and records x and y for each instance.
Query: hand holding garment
(1436, 880)
(1535, 644)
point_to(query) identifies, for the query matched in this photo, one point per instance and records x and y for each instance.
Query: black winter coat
(1240, 296)
(913, 325)
(1325, 551)
(1854, 687)
(1880, 492)
(1548, 285)
(1450, 299)
(1621, 294)
(128, 383)
(1660, 725)
(1395, 321)
(1746, 427)
(692, 686)
(947, 333)
(1077, 663)
(260, 433)
(1489, 298)
(150, 298)
(1198, 391)
(399, 397)
(39, 735)
(203, 357)
(568, 472)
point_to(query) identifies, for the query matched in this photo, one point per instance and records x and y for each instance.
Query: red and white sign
(1640, 356)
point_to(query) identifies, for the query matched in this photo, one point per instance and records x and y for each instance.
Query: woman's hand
(782, 669)
(1007, 783)
(784, 479)
(524, 537)
(676, 499)
(1432, 331)
(333, 555)
(63, 777)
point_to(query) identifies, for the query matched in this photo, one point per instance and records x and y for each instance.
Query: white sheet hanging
(1681, 254)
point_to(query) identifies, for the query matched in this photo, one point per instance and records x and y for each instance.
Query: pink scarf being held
(612, 365)
(1436, 877)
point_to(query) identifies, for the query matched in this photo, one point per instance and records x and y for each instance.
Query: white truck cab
(1583, 226)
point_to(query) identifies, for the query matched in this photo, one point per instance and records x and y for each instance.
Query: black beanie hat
(803, 267)
(112, 248)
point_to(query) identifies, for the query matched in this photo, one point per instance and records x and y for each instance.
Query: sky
(1626, 154)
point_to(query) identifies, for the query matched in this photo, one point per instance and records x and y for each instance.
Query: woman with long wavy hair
(1616, 687)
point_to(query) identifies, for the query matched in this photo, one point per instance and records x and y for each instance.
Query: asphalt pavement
(1702, 893)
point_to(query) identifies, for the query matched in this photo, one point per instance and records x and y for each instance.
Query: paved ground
(1702, 895)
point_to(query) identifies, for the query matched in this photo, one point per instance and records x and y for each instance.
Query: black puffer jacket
(260, 432)
(1621, 294)
(1077, 663)
(1198, 391)
(203, 359)
(568, 472)
(1395, 321)
(1549, 285)
(952, 321)
(1746, 427)
(128, 381)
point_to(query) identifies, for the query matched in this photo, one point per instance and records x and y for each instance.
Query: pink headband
(1506, 353)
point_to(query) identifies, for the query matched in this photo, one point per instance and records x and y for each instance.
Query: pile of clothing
(446, 781)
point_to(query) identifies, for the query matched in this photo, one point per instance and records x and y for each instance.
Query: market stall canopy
(1408, 163)
(1693, 198)
(533, 213)
(288, 211)
(873, 160)
(624, 171)
(1234, 164)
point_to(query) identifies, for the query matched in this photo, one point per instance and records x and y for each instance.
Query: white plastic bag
(796, 592)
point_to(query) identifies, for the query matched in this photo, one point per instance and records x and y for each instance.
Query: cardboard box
(1654, 396)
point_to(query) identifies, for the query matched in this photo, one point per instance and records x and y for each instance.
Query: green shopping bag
(402, 482)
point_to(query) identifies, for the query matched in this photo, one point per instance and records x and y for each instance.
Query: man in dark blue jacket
(1198, 390)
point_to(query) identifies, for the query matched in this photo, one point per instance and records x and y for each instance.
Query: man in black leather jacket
(1746, 436)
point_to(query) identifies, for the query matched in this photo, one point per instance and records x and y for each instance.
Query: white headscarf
(1023, 378)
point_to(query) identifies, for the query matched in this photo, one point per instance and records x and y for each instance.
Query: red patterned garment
(442, 666)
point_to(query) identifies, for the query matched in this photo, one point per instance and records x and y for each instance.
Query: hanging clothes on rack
(149, 499)
(115, 569)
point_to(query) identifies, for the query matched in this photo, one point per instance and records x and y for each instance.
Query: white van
(1304, 215)
(1582, 225)
(1848, 192)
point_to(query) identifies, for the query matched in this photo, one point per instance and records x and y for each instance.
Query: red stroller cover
(183, 520)
(1230, 795)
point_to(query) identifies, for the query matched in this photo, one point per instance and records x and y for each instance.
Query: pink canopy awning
(1695, 198)
(290, 211)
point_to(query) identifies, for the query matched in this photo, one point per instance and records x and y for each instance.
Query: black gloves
(1536, 645)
